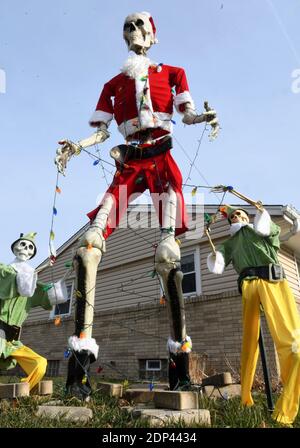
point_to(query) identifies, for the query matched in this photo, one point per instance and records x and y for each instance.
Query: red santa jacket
(142, 97)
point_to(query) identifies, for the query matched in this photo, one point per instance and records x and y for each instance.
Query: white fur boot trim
(78, 344)
(216, 263)
(177, 347)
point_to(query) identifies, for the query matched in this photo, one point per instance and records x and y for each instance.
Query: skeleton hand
(93, 237)
(65, 153)
(209, 116)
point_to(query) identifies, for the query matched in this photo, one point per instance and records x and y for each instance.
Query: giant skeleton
(142, 107)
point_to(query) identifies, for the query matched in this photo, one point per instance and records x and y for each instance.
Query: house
(130, 323)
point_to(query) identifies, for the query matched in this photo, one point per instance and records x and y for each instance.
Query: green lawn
(108, 413)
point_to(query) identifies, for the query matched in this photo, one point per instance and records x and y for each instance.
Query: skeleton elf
(253, 249)
(19, 292)
(141, 100)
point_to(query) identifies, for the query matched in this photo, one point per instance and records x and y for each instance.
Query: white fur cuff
(262, 222)
(58, 293)
(100, 116)
(89, 344)
(216, 263)
(181, 98)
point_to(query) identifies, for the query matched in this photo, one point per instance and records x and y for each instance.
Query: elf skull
(138, 32)
(24, 250)
(239, 216)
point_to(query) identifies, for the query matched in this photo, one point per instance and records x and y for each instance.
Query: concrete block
(176, 400)
(222, 379)
(224, 392)
(14, 390)
(139, 395)
(43, 388)
(71, 413)
(160, 417)
(111, 389)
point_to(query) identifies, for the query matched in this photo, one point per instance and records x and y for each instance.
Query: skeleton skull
(239, 216)
(24, 250)
(139, 32)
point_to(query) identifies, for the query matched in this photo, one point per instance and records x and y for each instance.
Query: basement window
(153, 365)
(153, 369)
(52, 368)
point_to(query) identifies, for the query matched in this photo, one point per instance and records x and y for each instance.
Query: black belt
(272, 273)
(131, 152)
(11, 332)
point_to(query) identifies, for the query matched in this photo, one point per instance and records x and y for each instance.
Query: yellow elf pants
(33, 365)
(284, 324)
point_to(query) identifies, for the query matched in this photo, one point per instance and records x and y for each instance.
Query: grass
(108, 412)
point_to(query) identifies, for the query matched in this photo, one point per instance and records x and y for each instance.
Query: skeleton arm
(70, 149)
(209, 116)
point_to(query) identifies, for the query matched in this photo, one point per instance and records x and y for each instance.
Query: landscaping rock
(71, 413)
(160, 417)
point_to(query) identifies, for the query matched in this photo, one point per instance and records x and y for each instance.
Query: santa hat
(28, 237)
(227, 210)
(150, 18)
(147, 16)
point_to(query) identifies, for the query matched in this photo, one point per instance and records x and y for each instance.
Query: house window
(190, 266)
(153, 365)
(64, 309)
(52, 368)
(153, 369)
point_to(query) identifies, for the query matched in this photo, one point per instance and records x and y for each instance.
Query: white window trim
(196, 253)
(148, 369)
(53, 316)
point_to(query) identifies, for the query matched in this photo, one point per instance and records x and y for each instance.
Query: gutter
(292, 216)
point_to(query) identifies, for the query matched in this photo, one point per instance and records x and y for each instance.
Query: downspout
(291, 215)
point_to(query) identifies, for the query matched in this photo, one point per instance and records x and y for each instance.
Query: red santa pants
(157, 174)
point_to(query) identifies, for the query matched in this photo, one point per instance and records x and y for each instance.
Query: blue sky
(57, 55)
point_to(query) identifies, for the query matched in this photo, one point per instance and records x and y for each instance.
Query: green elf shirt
(247, 248)
(14, 310)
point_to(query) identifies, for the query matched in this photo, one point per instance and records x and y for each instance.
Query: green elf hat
(227, 210)
(28, 237)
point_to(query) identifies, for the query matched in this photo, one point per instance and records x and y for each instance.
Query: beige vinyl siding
(130, 255)
(212, 283)
(289, 264)
(126, 285)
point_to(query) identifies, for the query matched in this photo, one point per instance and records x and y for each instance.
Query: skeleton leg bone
(84, 347)
(167, 264)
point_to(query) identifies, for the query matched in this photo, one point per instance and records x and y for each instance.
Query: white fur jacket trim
(26, 278)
